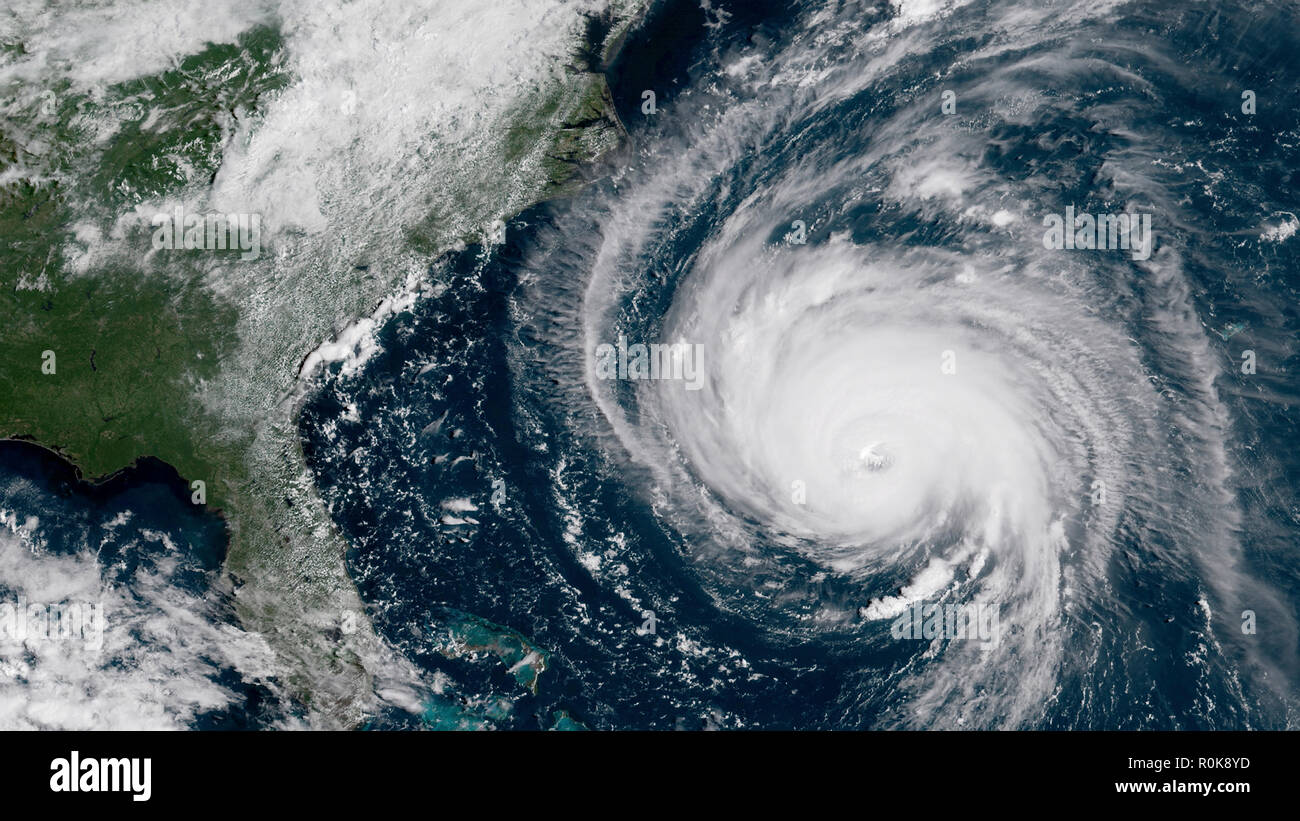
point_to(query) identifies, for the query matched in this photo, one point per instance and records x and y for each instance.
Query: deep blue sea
(169, 649)
(907, 398)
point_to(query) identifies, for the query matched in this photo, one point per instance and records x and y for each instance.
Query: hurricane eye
(876, 457)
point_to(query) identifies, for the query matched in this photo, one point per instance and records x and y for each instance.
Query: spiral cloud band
(920, 366)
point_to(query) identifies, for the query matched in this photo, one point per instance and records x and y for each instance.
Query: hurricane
(805, 363)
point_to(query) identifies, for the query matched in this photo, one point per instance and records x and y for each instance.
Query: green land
(140, 339)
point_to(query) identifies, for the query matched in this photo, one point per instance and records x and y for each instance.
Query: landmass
(116, 351)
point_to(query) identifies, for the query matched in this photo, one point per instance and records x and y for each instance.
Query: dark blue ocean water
(479, 387)
(475, 472)
(136, 545)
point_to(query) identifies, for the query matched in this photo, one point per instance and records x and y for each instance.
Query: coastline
(284, 555)
(352, 664)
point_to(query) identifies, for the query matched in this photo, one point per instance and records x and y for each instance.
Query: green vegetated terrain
(130, 337)
(136, 333)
